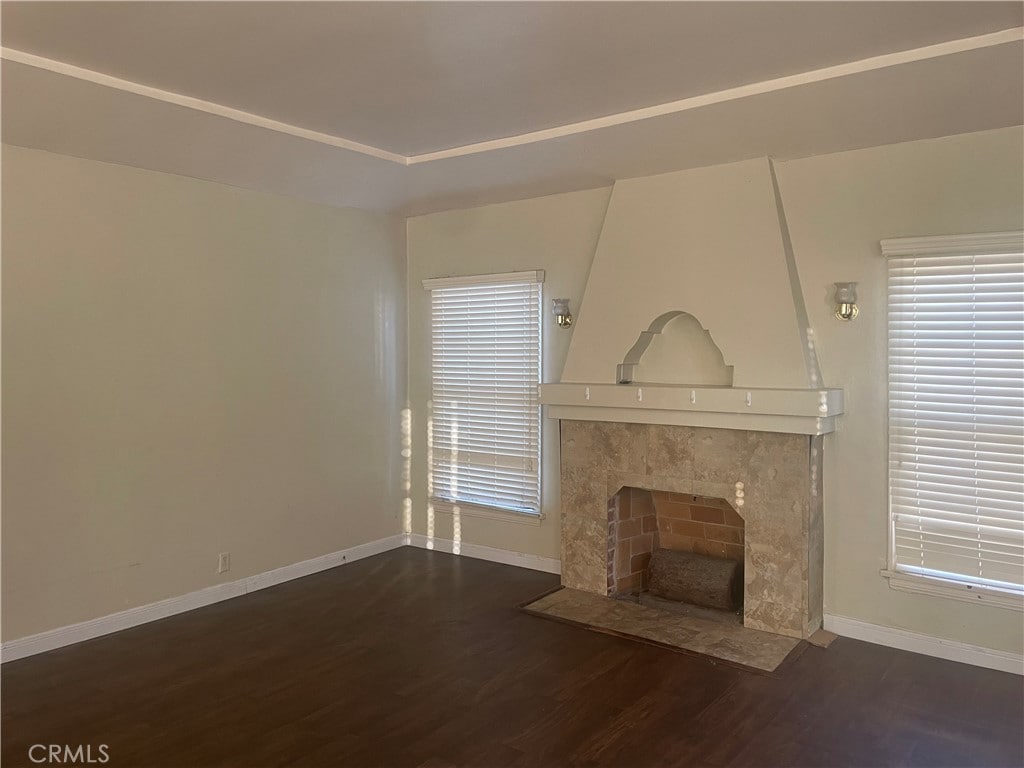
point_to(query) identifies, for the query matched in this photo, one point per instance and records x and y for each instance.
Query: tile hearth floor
(727, 641)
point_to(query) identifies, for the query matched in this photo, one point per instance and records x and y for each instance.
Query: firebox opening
(676, 552)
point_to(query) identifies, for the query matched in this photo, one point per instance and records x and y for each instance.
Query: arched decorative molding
(717, 373)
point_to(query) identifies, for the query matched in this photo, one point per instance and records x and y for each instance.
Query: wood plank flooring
(417, 658)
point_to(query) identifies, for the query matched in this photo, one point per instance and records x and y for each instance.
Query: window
(956, 415)
(485, 419)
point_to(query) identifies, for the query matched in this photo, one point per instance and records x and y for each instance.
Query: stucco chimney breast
(693, 313)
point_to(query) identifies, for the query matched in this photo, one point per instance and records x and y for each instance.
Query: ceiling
(413, 107)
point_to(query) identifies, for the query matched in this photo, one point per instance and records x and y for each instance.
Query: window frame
(477, 508)
(957, 588)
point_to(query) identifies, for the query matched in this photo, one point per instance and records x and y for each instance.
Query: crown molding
(874, 63)
(200, 105)
(732, 94)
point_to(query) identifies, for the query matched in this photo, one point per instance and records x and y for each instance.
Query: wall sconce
(560, 309)
(846, 301)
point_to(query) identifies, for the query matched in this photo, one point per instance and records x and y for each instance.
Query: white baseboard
(480, 552)
(115, 622)
(926, 644)
(104, 625)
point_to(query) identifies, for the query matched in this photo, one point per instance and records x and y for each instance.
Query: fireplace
(692, 369)
(770, 482)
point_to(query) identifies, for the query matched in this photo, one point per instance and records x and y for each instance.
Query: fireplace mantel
(790, 411)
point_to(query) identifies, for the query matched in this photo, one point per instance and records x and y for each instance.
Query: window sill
(487, 513)
(954, 590)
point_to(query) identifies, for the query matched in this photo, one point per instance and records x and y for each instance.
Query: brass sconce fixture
(560, 309)
(846, 301)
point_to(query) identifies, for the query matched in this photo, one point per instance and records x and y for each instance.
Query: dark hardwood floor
(416, 658)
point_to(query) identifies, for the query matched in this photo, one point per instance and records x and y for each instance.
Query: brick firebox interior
(639, 521)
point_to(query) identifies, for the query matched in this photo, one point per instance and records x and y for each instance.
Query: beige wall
(188, 369)
(557, 234)
(838, 207)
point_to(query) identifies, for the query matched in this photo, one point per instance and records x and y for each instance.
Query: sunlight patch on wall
(407, 471)
(430, 474)
(456, 516)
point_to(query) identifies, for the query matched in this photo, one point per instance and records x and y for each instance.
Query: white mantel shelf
(795, 411)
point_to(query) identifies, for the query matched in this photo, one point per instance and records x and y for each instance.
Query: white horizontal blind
(956, 408)
(485, 423)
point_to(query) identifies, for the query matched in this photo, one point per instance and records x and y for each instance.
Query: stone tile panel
(669, 451)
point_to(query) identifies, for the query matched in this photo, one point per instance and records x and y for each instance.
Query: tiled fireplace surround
(778, 474)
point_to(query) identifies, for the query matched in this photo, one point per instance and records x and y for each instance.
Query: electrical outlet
(224, 562)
